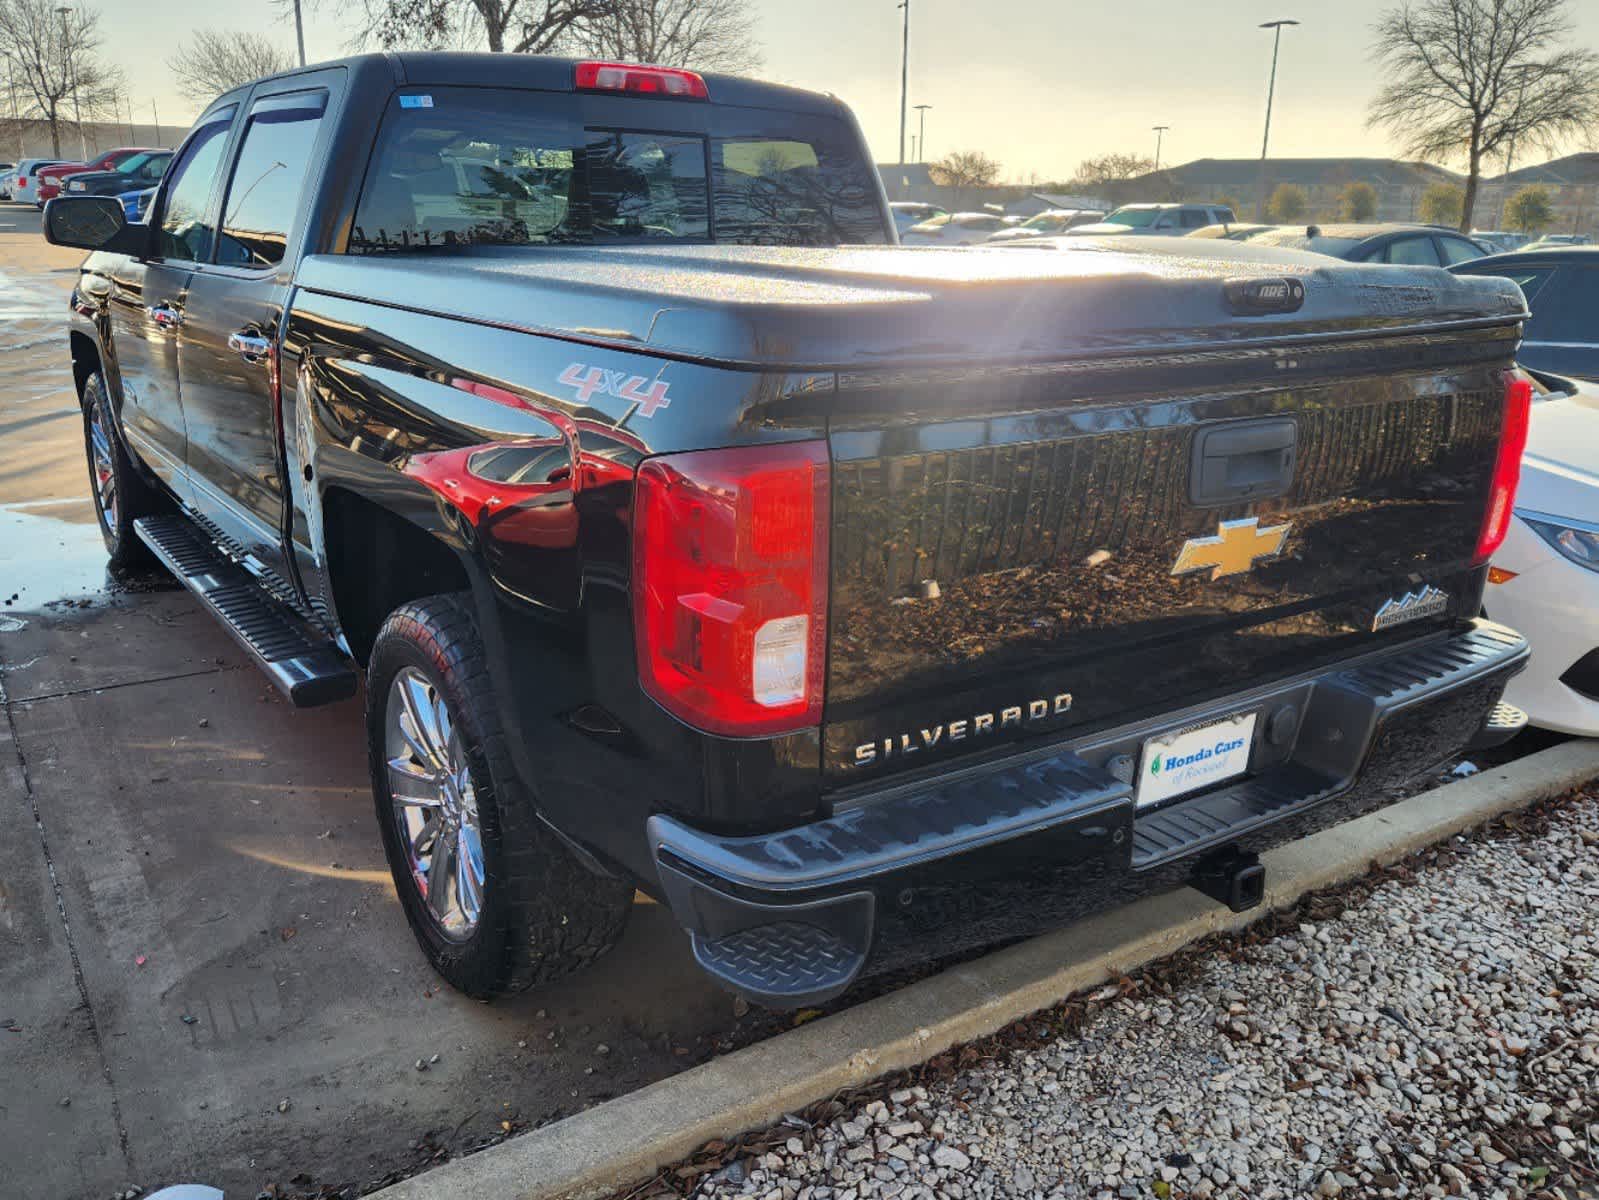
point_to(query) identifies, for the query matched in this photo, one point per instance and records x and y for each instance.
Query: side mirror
(92, 223)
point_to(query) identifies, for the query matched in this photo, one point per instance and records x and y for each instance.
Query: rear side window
(264, 193)
(186, 229)
(1194, 218)
(462, 167)
(1457, 250)
(1412, 251)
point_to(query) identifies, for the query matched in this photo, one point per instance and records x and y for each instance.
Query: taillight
(730, 586)
(644, 80)
(1507, 468)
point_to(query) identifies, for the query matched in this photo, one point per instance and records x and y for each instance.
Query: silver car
(1166, 220)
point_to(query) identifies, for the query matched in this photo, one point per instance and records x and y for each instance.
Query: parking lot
(205, 971)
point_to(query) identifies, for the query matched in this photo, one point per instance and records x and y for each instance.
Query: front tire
(495, 900)
(120, 496)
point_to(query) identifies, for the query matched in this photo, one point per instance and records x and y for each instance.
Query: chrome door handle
(250, 347)
(164, 315)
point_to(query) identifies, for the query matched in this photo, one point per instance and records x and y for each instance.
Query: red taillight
(644, 80)
(730, 586)
(22, 181)
(1507, 468)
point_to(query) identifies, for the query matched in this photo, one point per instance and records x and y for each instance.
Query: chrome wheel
(100, 462)
(433, 804)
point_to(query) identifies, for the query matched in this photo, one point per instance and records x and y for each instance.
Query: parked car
(1545, 577)
(141, 171)
(1048, 224)
(1230, 232)
(25, 188)
(1562, 289)
(51, 179)
(136, 205)
(1554, 241)
(1171, 220)
(954, 229)
(614, 504)
(1500, 241)
(1410, 245)
(911, 212)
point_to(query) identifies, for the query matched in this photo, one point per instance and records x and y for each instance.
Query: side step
(305, 665)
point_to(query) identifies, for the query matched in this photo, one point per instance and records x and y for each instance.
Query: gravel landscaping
(1431, 1031)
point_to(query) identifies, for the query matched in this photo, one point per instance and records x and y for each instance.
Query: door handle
(250, 346)
(164, 316)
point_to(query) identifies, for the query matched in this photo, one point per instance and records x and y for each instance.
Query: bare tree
(52, 65)
(214, 61)
(516, 26)
(1469, 77)
(1109, 175)
(711, 35)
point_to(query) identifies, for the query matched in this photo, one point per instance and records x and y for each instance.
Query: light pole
(69, 64)
(299, 31)
(904, 75)
(1160, 132)
(16, 116)
(1271, 89)
(921, 131)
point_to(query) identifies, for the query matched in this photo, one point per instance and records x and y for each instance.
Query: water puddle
(51, 551)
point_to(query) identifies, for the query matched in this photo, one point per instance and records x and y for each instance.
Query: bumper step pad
(784, 965)
(303, 664)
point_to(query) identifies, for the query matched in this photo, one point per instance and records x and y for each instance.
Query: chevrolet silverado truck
(862, 604)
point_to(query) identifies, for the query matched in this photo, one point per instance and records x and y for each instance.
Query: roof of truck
(454, 68)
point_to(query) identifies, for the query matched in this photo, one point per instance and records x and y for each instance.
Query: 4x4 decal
(649, 396)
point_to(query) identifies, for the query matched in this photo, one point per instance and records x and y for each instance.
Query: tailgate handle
(1243, 460)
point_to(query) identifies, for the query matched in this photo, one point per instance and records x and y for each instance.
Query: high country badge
(1412, 606)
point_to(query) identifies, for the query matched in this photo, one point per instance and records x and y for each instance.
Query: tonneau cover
(851, 308)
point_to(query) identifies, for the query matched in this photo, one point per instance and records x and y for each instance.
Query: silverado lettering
(609, 641)
(905, 743)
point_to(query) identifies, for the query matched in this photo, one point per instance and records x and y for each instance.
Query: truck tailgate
(1047, 554)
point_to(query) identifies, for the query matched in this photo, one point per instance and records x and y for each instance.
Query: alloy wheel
(433, 804)
(100, 459)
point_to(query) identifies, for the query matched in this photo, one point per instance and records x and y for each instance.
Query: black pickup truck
(861, 603)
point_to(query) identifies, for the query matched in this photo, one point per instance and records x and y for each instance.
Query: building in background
(1399, 185)
(1573, 186)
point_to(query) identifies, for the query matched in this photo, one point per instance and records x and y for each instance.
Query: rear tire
(511, 906)
(120, 496)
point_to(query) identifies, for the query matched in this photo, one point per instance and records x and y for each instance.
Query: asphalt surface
(204, 973)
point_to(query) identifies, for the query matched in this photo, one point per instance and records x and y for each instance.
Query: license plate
(1178, 763)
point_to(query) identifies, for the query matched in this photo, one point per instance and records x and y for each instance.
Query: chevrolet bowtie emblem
(1237, 546)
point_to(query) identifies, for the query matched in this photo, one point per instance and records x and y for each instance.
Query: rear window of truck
(460, 167)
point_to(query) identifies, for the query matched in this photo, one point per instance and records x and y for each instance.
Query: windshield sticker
(591, 381)
(416, 101)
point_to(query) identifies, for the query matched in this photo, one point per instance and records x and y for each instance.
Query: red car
(50, 177)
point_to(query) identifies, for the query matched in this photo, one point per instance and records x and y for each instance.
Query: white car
(24, 183)
(1048, 224)
(907, 213)
(957, 229)
(1544, 581)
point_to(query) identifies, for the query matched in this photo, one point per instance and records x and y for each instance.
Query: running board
(306, 667)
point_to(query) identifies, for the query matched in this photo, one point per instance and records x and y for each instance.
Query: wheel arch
(377, 559)
(86, 360)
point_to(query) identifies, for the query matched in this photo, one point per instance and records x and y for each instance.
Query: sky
(1038, 85)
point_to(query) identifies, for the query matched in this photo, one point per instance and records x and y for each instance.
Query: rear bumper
(1011, 849)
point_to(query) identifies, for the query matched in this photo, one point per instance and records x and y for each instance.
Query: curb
(622, 1141)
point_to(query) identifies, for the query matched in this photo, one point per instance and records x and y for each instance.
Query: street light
(1260, 185)
(921, 130)
(904, 75)
(70, 64)
(1160, 132)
